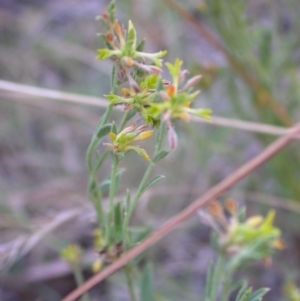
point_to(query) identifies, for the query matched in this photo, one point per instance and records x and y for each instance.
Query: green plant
(138, 86)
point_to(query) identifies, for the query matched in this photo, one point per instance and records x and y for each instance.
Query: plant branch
(79, 280)
(185, 214)
(112, 193)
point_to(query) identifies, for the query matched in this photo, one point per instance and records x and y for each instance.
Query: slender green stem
(160, 137)
(97, 202)
(158, 146)
(95, 140)
(103, 121)
(138, 193)
(217, 276)
(112, 193)
(128, 273)
(100, 162)
(94, 194)
(226, 284)
(79, 280)
(123, 121)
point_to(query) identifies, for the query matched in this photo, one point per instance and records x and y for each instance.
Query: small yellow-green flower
(97, 265)
(139, 100)
(98, 241)
(234, 235)
(72, 254)
(123, 141)
(176, 100)
(123, 49)
(253, 228)
(123, 45)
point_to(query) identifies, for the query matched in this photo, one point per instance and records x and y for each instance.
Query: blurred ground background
(43, 179)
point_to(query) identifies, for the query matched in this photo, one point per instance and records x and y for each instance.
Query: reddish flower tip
(170, 90)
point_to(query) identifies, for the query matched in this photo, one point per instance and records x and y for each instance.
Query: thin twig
(20, 90)
(185, 214)
(75, 113)
(52, 94)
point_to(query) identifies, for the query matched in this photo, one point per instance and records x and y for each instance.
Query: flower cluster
(123, 141)
(147, 93)
(235, 235)
(126, 53)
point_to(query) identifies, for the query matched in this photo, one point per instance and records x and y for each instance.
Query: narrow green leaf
(103, 130)
(159, 84)
(114, 128)
(174, 69)
(127, 199)
(209, 278)
(152, 182)
(160, 155)
(92, 184)
(104, 186)
(237, 284)
(111, 9)
(204, 113)
(216, 277)
(127, 206)
(118, 176)
(131, 37)
(242, 291)
(140, 45)
(146, 284)
(140, 151)
(160, 133)
(258, 295)
(103, 53)
(149, 81)
(115, 99)
(244, 294)
(118, 222)
(130, 115)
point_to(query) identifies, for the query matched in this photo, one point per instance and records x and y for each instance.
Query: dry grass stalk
(17, 92)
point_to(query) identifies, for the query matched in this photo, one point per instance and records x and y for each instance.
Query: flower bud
(127, 61)
(172, 137)
(141, 128)
(192, 81)
(109, 37)
(164, 95)
(182, 75)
